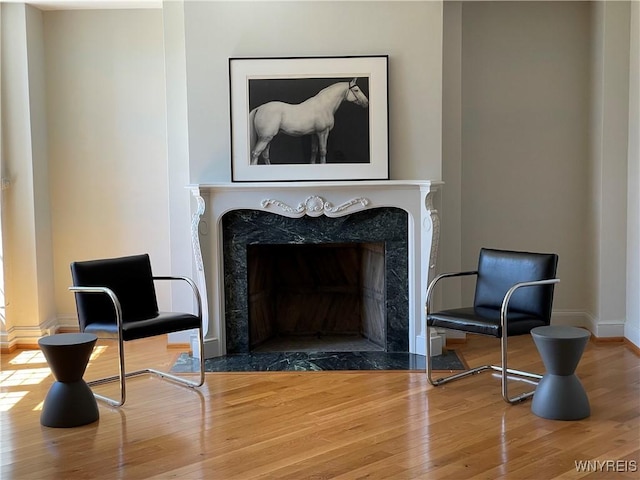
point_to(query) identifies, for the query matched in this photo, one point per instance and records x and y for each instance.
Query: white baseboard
(571, 318)
(67, 322)
(632, 333)
(599, 328)
(29, 335)
(23, 336)
(212, 348)
(181, 337)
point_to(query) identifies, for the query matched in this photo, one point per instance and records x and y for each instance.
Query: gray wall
(525, 132)
(106, 118)
(632, 325)
(26, 225)
(409, 32)
(535, 128)
(608, 142)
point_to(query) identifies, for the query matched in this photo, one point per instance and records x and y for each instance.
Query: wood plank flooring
(324, 425)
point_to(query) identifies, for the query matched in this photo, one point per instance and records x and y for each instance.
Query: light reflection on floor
(26, 373)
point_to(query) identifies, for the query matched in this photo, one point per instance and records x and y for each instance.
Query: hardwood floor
(320, 425)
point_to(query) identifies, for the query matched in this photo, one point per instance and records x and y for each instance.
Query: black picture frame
(283, 108)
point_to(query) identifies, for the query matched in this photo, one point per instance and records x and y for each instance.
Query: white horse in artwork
(314, 116)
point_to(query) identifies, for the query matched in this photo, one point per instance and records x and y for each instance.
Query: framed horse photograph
(309, 118)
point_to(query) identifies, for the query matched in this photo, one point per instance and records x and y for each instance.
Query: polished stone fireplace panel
(241, 228)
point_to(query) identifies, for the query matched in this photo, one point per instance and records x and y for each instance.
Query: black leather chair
(514, 293)
(116, 298)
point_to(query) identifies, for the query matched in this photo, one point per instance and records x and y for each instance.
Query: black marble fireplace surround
(250, 227)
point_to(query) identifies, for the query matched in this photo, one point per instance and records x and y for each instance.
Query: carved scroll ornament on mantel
(314, 206)
(432, 226)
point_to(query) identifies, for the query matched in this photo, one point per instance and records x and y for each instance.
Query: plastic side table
(560, 394)
(70, 401)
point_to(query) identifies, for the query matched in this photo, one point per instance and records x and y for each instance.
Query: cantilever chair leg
(505, 372)
(122, 376)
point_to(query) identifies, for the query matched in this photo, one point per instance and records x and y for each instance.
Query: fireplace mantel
(295, 200)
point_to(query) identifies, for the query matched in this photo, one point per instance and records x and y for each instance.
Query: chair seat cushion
(164, 322)
(483, 321)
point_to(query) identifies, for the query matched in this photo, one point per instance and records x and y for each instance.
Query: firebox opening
(317, 297)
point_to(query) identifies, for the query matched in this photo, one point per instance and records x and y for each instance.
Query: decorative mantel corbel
(432, 226)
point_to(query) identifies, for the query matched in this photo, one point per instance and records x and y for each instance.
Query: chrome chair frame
(503, 369)
(123, 374)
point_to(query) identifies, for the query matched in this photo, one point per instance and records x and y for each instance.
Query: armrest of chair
(105, 291)
(194, 288)
(433, 283)
(505, 302)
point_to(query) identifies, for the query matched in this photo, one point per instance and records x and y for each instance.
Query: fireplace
(237, 225)
(352, 270)
(325, 297)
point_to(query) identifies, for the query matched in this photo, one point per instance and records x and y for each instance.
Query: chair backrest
(131, 280)
(499, 270)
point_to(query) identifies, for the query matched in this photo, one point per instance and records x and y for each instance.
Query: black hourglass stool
(560, 394)
(70, 401)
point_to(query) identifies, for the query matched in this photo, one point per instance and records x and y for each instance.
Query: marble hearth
(229, 218)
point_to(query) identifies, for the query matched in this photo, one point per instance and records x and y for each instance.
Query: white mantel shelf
(297, 199)
(323, 184)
